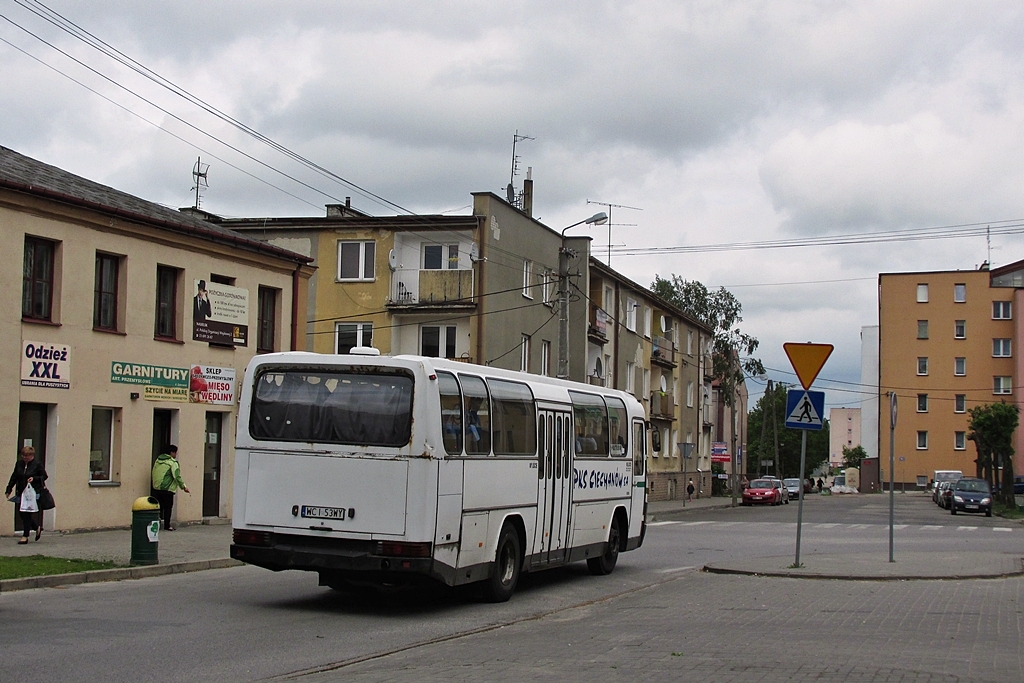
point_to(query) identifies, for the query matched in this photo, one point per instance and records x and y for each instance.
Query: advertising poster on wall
(159, 383)
(213, 385)
(220, 314)
(720, 452)
(45, 365)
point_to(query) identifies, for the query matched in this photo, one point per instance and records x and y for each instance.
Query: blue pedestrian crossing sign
(804, 409)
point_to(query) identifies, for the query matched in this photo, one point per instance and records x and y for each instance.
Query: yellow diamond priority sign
(807, 359)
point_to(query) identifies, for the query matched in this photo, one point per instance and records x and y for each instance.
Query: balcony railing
(432, 288)
(598, 323)
(663, 351)
(662, 405)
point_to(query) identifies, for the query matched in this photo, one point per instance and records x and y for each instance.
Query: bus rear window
(359, 409)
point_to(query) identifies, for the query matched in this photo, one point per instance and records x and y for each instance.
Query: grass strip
(41, 565)
(1001, 510)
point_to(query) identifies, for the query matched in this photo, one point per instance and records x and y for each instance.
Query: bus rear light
(403, 549)
(251, 537)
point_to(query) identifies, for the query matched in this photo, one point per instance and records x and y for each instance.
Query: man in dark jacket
(27, 471)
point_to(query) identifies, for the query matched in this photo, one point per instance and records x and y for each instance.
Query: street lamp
(599, 218)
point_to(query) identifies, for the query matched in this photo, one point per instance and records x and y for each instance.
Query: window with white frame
(527, 278)
(922, 440)
(1001, 310)
(922, 365)
(689, 394)
(960, 329)
(547, 290)
(1001, 348)
(101, 444)
(959, 293)
(922, 403)
(440, 257)
(675, 390)
(631, 314)
(524, 353)
(689, 342)
(608, 379)
(922, 293)
(647, 321)
(438, 341)
(609, 299)
(1002, 385)
(356, 260)
(960, 403)
(960, 441)
(647, 383)
(674, 444)
(922, 329)
(631, 377)
(545, 358)
(960, 366)
(348, 335)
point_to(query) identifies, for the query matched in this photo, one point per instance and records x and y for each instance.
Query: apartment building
(948, 341)
(134, 327)
(844, 431)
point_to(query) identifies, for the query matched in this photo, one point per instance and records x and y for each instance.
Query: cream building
(844, 431)
(112, 358)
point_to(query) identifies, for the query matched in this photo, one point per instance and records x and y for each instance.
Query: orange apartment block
(948, 341)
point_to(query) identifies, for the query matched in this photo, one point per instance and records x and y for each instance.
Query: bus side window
(513, 418)
(451, 412)
(478, 415)
(639, 447)
(617, 431)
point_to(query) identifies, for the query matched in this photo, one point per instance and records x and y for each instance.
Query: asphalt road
(656, 616)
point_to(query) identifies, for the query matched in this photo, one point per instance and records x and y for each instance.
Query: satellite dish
(474, 253)
(664, 384)
(392, 260)
(666, 324)
(510, 192)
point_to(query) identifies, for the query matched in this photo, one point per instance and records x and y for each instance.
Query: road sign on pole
(807, 359)
(805, 409)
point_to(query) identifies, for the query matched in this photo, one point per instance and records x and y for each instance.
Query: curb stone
(118, 574)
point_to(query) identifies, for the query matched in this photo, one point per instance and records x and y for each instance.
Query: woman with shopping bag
(28, 474)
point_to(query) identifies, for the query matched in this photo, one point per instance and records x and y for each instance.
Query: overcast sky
(724, 121)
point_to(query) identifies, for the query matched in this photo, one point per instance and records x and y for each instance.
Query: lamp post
(563, 295)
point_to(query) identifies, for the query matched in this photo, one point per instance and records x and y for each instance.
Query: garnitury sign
(159, 383)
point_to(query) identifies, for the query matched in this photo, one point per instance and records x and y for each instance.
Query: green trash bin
(145, 530)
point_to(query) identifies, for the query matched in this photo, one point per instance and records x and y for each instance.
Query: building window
(689, 394)
(545, 358)
(922, 441)
(356, 260)
(960, 441)
(1002, 385)
(348, 335)
(960, 329)
(922, 366)
(647, 322)
(527, 278)
(104, 303)
(631, 314)
(647, 383)
(546, 289)
(434, 256)
(524, 353)
(1001, 348)
(101, 444)
(922, 294)
(1001, 310)
(167, 302)
(689, 342)
(608, 379)
(960, 403)
(631, 377)
(922, 329)
(433, 336)
(37, 279)
(922, 403)
(959, 367)
(959, 293)
(266, 339)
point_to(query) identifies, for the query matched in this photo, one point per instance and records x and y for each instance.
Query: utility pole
(563, 294)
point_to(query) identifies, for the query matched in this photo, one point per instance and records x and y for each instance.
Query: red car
(762, 491)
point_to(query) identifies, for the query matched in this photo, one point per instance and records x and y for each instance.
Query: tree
(789, 439)
(991, 429)
(853, 456)
(732, 350)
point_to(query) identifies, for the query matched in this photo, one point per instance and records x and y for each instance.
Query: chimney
(528, 192)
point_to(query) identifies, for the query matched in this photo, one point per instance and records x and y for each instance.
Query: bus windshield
(336, 407)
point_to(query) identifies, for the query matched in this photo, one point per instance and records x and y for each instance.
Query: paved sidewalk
(876, 566)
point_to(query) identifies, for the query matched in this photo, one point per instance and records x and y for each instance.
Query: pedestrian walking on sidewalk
(689, 491)
(167, 480)
(27, 472)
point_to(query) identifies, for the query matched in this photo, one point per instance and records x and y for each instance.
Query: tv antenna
(199, 172)
(610, 206)
(510, 191)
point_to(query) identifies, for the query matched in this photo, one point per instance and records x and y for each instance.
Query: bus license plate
(318, 512)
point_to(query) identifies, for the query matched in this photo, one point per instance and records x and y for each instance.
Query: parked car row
(967, 494)
(765, 491)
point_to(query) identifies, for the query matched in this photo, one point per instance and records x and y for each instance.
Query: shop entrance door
(211, 465)
(161, 431)
(31, 432)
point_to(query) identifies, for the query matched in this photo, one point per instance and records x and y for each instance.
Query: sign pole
(892, 466)
(800, 507)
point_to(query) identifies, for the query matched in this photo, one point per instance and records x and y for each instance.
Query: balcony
(431, 289)
(663, 352)
(597, 330)
(662, 406)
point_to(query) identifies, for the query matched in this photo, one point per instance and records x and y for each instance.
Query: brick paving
(708, 628)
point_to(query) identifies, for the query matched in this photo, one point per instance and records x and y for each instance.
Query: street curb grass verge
(796, 574)
(118, 574)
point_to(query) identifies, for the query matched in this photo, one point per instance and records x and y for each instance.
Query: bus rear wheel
(507, 565)
(605, 564)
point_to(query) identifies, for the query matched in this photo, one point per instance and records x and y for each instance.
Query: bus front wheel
(600, 566)
(507, 564)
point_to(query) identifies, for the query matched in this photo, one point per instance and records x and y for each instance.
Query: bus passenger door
(554, 487)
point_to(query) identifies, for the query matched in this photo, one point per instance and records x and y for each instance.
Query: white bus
(366, 468)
